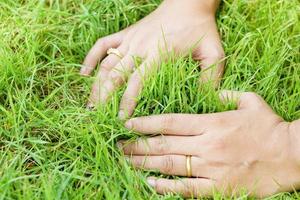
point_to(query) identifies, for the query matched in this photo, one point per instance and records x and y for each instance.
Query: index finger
(173, 124)
(99, 51)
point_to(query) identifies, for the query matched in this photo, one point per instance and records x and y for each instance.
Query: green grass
(51, 147)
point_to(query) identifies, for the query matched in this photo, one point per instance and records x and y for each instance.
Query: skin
(195, 31)
(249, 148)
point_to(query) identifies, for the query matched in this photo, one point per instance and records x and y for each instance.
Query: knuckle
(161, 145)
(220, 55)
(221, 121)
(135, 50)
(102, 41)
(168, 122)
(214, 54)
(114, 74)
(251, 95)
(95, 88)
(191, 189)
(135, 78)
(217, 53)
(168, 164)
(106, 64)
(128, 103)
(117, 77)
(262, 193)
(219, 144)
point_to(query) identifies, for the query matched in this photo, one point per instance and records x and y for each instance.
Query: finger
(110, 62)
(114, 79)
(106, 66)
(188, 187)
(99, 51)
(211, 55)
(243, 99)
(166, 164)
(134, 87)
(162, 145)
(174, 124)
(172, 165)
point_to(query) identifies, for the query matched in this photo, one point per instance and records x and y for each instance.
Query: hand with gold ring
(175, 26)
(250, 149)
(116, 52)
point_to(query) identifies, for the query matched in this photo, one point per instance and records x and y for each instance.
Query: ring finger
(106, 66)
(116, 77)
(172, 165)
(162, 145)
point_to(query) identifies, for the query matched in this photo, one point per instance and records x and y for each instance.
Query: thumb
(244, 100)
(211, 55)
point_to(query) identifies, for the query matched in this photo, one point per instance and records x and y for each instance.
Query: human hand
(250, 148)
(175, 26)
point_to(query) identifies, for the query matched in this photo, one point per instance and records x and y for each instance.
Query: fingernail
(90, 106)
(127, 159)
(120, 145)
(151, 182)
(83, 70)
(129, 124)
(121, 115)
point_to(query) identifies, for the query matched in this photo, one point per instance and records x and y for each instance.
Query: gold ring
(189, 165)
(114, 52)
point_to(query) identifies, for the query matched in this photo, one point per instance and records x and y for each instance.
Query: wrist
(294, 133)
(203, 6)
(212, 5)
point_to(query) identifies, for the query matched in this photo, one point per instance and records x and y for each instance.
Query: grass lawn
(51, 147)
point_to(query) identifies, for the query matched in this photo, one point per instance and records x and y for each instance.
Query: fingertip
(129, 124)
(128, 160)
(120, 144)
(127, 106)
(122, 115)
(94, 98)
(85, 74)
(151, 181)
(90, 106)
(84, 71)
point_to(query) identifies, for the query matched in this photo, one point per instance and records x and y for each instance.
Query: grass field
(51, 147)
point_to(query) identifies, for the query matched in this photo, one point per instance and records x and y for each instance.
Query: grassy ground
(51, 147)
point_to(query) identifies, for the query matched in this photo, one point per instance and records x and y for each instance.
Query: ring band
(189, 165)
(114, 52)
